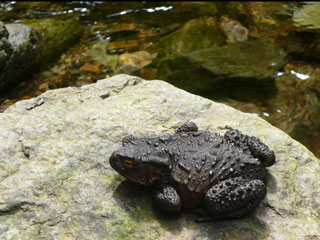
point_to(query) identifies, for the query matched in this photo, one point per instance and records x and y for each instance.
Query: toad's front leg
(167, 199)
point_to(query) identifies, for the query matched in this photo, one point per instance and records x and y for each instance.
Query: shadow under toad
(136, 200)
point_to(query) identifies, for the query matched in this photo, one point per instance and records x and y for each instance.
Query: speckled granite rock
(56, 182)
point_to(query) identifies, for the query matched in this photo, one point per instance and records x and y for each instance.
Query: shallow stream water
(158, 40)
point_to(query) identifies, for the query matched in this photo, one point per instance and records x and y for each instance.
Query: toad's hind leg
(257, 148)
(236, 214)
(234, 198)
(167, 199)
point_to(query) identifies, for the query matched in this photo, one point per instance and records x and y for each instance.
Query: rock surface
(19, 50)
(35, 43)
(200, 33)
(308, 16)
(233, 70)
(234, 61)
(56, 181)
(57, 36)
(132, 62)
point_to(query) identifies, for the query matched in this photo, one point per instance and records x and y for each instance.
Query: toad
(191, 169)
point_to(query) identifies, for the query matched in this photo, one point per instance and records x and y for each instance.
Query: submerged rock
(196, 34)
(56, 181)
(302, 45)
(251, 64)
(308, 16)
(234, 30)
(98, 53)
(249, 59)
(296, 107)
(129, 63)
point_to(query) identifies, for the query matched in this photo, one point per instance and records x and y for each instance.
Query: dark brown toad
(191, 168)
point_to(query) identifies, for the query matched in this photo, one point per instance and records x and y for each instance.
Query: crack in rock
(11, 207)
(104, 96)
(37, 104)
(274, 209)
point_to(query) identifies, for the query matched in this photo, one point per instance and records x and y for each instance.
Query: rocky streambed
(259, 57)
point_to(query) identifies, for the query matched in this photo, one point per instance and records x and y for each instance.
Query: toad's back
(201, 159)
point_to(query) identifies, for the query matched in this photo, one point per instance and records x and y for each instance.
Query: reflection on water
(149, 10)
(300, 75)
(259, 57)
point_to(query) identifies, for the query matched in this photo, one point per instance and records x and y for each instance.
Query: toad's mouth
(139, 180)
(136, 173)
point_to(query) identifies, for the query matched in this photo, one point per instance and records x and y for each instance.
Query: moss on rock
(57, 36)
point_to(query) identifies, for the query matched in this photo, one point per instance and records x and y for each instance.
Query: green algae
(57, 36)
(196, 34)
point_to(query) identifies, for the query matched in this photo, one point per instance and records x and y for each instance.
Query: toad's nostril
(114, 158)
(114, 155)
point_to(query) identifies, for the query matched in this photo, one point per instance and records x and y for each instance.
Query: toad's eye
(128, 163)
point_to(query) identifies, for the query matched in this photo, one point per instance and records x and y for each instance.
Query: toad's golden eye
(128, 163)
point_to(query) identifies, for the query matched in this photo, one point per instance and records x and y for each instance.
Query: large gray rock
(5, 46)
(19, 50)
(56, 182)
(33, 45)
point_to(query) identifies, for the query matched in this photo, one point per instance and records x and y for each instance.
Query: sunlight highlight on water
(300, 75)
(150, 10)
